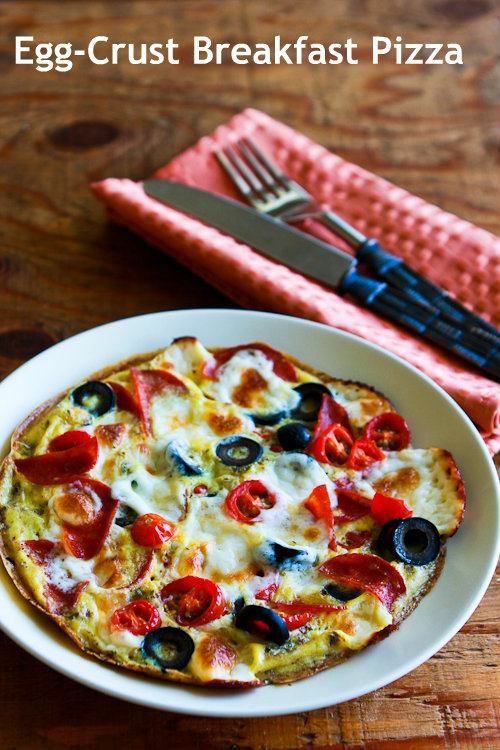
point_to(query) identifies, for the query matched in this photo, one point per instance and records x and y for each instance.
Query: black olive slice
(311, 396)
(284, 558)
(238, 604)
(342, 593)
(182, 461)
(269, 419)
(95, 397)
(237, 450)
(263, 622)
(414, 541)
(169, 648)
(294, 436)
(125, 515)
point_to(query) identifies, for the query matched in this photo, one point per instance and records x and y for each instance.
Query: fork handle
(397, 306)
(393, 270)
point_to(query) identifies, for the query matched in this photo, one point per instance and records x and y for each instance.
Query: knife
(324, 263)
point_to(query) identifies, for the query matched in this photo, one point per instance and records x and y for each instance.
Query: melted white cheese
(434, 497)
(278, 393)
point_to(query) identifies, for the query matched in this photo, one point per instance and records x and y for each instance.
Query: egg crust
(315, 646)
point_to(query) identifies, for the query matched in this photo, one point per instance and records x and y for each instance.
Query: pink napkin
(459, 256)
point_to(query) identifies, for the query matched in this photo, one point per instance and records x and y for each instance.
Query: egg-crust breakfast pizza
(224, 517)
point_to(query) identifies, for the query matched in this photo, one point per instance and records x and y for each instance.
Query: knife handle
(423, 320)
(393, 270)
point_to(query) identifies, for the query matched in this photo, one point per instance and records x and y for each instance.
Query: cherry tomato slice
(70, 455)
(388, 431)
(152, 530)
(139, 617)
(363, 453)
(197, 601)
(333, 445)
(385, 508)
(248, 500)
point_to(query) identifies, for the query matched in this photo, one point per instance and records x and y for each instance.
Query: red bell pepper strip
(147, 384)
(86, 541)
(333, 445)
(350, 506)
(197, 601)
(267, 592)
(299, 607)
(330, 413)
(125, 400)
(248, 500)
(363, 453)
(298, 614)
(281, 366)
(367, 572)
(61, 464)
(385, 508)
(319, 504)
(138, 617)
(388, 431)
(294, 622)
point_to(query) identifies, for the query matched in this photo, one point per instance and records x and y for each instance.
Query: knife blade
(270, 236)
(325, 263)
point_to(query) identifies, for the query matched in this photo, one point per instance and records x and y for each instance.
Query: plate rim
(407, 666)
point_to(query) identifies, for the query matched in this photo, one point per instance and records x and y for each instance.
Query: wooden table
(63, 269)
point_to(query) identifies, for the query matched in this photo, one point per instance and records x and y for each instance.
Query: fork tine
(266, 161)
(235, 176)
(247, 174)
(263, 173)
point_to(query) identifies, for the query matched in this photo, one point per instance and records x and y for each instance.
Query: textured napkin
(459, 256)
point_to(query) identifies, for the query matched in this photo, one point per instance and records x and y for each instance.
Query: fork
(263, 184)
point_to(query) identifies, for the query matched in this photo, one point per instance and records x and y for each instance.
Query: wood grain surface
(63, 268)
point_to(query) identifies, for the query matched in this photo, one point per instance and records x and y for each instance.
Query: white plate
(435, 421)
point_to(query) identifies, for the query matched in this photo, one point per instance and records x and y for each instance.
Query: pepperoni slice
(86, 540)
(330, 413)
(40, 550)
(111, 435)
(125, 400)
(352, 506)
(71, 454)
(147, 384)
(367, 572)
(61, 601)
(142, 572)
(281, 366)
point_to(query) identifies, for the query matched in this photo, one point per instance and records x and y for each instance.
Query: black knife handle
(393, 270)
(425, 321)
